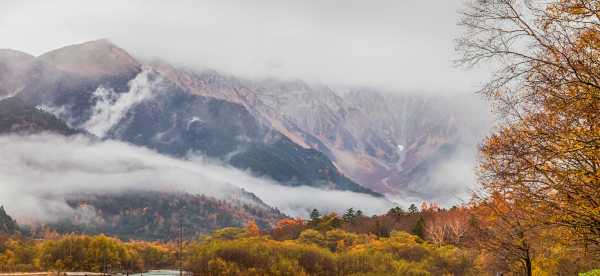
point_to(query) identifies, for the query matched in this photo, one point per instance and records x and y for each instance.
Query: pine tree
(315, 217)
(413, 209)
(358, 214)
(349, 215)
(396, 211)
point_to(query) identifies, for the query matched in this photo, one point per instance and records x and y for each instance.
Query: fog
(39, 172)
(403, 45)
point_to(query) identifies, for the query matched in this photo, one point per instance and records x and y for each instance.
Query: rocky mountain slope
(393, 143)
(7, 224)
(149, 215)
(157, 216)
(100, 88)
(294, 132)
(389, 142)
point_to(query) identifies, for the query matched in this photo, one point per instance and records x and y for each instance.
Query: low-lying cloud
(39, 172)
(111, 106)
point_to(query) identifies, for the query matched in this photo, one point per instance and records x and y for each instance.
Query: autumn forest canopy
(536, 211)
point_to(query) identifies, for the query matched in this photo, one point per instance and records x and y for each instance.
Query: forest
(419, 241)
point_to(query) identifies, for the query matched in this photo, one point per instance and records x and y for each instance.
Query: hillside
(18, 117)
(157, 215)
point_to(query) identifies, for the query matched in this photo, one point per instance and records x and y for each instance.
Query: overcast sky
(405, 45)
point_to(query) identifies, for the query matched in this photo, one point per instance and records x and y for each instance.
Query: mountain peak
(14, 65)
(94, 59)
(10, 54)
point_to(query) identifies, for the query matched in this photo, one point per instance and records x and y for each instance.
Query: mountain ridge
(191, 123)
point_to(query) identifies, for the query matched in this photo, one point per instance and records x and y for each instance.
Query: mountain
(7, 224)
(394, 144)
(427, 131)
(100, 88)
(297, 133)
(97, 61)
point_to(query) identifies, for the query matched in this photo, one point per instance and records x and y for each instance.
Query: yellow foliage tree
(547, 86)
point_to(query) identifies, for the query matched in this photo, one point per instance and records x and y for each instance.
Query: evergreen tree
(396, 211)
(315, 217)
(419, 228)
(349, 215)
(413, 209)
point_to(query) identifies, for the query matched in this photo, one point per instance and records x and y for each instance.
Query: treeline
(465, 240)
(324, 245)
(462, 240)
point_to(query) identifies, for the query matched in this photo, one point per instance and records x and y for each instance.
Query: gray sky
(405, 45)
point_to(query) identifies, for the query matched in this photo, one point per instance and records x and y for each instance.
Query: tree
(252, 229)
(413, 209)
(505, 230)
(358, 214)
(419, 228)
(315, 217)
(396, 211)
(349, 215)
(546, 155)
(447, 226)
(311, 236)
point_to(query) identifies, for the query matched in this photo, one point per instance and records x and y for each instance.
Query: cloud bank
(39, 172)
(403, 45)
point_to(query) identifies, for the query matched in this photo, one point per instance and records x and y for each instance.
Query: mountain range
(296, 133)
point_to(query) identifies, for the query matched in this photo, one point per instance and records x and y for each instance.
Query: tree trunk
(528, 268)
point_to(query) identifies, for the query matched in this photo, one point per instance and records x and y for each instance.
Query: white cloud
(110, 107)
(37, 174)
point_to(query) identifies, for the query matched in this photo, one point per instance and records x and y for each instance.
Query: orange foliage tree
(252, 229)
(546, 155)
